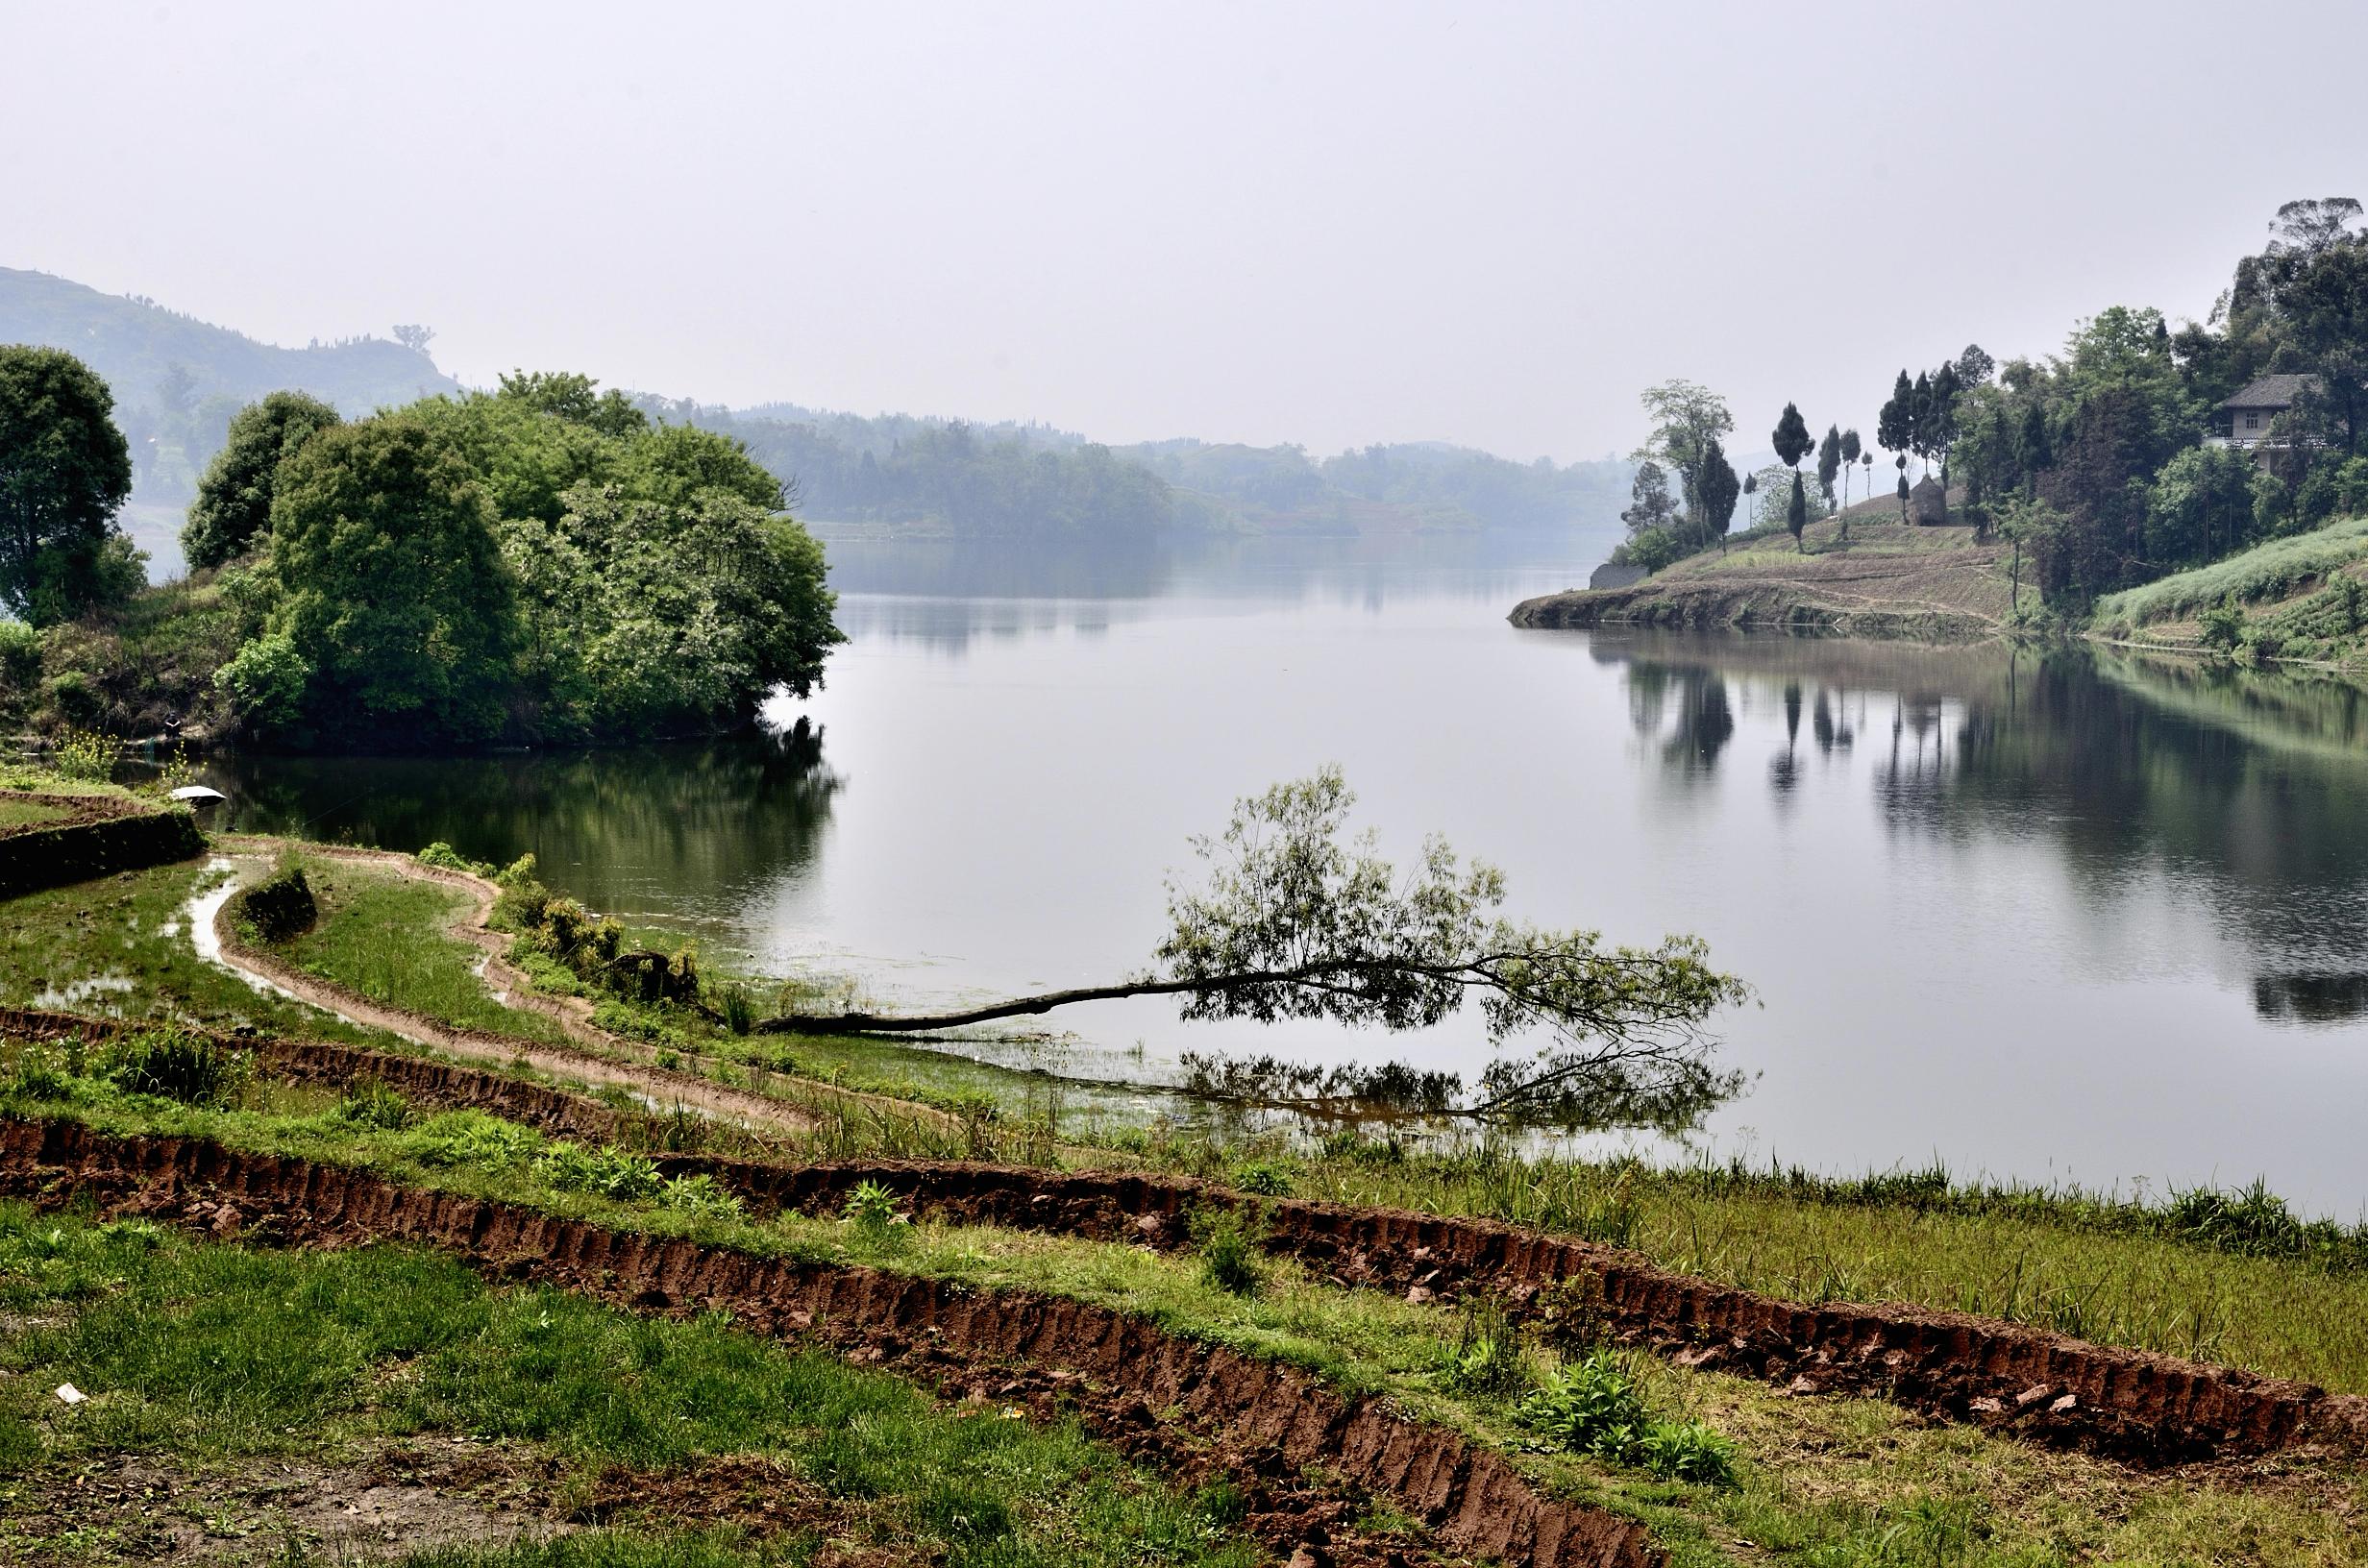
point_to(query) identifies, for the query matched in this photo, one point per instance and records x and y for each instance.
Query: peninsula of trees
(2109, 465)
(538, 564)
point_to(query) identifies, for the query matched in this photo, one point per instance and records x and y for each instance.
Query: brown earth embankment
(92, 835)
(1473, 1500)
(2036, 1384)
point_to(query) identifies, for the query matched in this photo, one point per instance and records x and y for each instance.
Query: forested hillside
(178, 380)
(954, 477)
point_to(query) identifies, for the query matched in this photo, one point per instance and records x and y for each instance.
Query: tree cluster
(539, 563)
(2095, 461)
(64, 472)
(1664, 525)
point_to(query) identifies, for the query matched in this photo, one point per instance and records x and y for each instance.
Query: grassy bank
(1824, 1481)
(2298, 599)
(213, 1362)
(388, 937)
(1885, 578)
(2222, 1276)
(124, 946)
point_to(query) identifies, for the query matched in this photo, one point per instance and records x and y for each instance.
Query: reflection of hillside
(2248, 790)
(712, 820)
(947, 593)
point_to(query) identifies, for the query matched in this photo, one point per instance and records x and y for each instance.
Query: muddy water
(2051, 918)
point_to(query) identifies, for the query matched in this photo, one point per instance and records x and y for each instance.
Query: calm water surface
(2044, 917)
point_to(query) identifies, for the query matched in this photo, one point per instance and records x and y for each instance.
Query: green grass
(132, 930)
(388, 938)
(1824, 1483)
(2270, 569)
(41, 780)
(2113, 1271)
(15, 811)
(2227, 1277)
(214, 1353)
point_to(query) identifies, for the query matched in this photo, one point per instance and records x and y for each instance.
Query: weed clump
(175, 1065)
(1228, 1239)
(1264, 1178)
(83, 755)
(444, 857)
(1593, 1405)
(1490, 1360)
(700, 1196)
(871, 1207)
(604, 1173)
(372, 1104)
(42, 1073)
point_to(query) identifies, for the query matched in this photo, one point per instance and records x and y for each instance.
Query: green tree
(649, 617)
(1720, 490)
(1687, 421)
(1850, 448)
(1901, 464)
(575, 398)
(394, 595)
(232, 510)
(1938, 428)
(1297, 920)
(1920, 418)
(2201, 505)
(2023, 522)
(1796, 513)
(2326, 304)
(1895, 424)
(1829, 463)
(2031, 452)
(1792, 438)
(64, 472)
(1650, 504)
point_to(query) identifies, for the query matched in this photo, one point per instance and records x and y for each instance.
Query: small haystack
(1928, 503)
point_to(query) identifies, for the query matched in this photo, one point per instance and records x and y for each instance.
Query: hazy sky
(1330, 224)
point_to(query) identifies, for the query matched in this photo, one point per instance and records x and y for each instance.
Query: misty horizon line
(772, 408)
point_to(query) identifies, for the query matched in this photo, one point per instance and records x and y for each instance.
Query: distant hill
(950, 478)
(178, 380)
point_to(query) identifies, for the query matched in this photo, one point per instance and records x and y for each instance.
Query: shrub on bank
(281, 907)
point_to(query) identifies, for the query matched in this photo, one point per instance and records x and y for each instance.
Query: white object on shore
(198, 792)
(70, 1394)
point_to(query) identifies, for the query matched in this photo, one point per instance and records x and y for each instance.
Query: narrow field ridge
(1473, 1500)
(2131, 1405)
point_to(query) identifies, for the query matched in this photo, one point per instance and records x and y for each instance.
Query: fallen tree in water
(1298, 921)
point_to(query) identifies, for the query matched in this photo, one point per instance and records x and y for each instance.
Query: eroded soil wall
(2129, 1404)
(1472, 1499)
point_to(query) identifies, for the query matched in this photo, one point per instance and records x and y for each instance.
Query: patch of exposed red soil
(1266, 1422)
(149, 1508)
(2128, 1403)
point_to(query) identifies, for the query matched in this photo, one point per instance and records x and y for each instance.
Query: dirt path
(601, 1057)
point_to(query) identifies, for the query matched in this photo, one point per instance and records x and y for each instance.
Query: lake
(2049, 916)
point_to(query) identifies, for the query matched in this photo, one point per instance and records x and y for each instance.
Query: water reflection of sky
(2042, 915)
